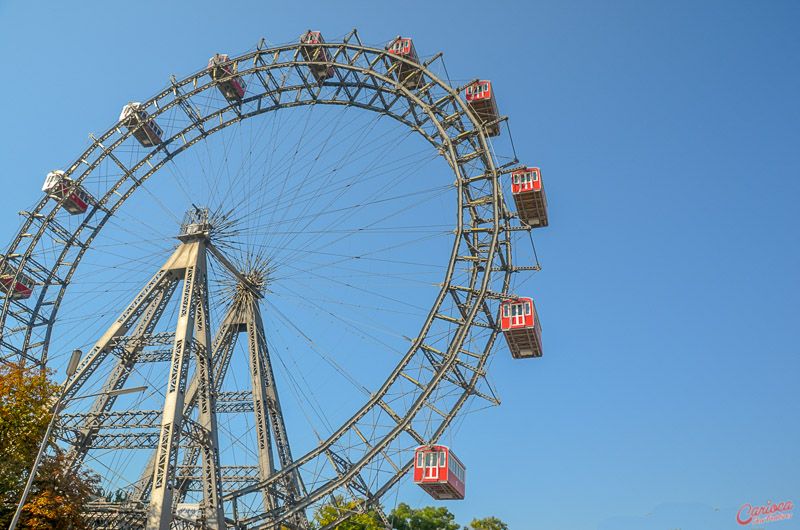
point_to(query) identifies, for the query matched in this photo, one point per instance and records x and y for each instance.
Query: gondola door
(518, 314)
(528, 183)
(432, 466)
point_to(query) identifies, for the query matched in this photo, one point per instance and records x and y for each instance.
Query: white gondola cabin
(529, 199)
(144, 129)
(20, 288)
(520, 325)
(439, 472)
(61, 188)
(480, 98)
(408, 75)
(231, 86)
(320, 54)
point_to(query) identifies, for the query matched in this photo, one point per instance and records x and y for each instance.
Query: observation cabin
(439, 472)
(22, 288)
(144, 129)
(520, 325)
(321, 72)
(529, 199)
(196, 224)
(231, 86)
(60, 187)
(406, 74)
(480, 98)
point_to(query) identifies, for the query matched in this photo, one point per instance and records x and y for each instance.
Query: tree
(360, 521)
(405, 517)
(24, 401)
(57, 496)
(487, 523)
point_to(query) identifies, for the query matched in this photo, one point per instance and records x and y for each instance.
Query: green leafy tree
(487, 523)
(360, 521)
(405, 517)
(57, 497)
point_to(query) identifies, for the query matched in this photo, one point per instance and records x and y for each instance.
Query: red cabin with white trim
(406, 74)
(61, 188)
(144, 129)
(529, 198)
(520, 325)
(321, 72)
(480, 98)
(439, 472)
(232, 87)
(21, 288)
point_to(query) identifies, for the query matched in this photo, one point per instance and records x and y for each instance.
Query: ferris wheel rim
(446, 147)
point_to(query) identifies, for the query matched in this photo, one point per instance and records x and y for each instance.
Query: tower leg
(207, 417)
(192, 316)
(267, 405)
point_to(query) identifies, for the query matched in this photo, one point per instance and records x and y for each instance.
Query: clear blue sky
(667, 134)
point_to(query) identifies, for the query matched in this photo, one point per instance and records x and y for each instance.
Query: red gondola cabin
(137, 121)
(529, 199)
(439, 472)
(321, 72)
(520, 325)
(21, 288)
(408, 75)
(232, 87)
(480, 98)
(61, 188)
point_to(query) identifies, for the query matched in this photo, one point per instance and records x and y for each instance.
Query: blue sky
(667, 137)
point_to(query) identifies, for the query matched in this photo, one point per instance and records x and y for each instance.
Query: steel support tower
(187, 446)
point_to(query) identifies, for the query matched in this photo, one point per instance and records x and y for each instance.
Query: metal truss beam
(136, 419)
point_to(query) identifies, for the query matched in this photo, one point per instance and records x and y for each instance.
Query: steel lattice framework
(360, 459)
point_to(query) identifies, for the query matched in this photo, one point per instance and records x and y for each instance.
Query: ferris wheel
(304, 253)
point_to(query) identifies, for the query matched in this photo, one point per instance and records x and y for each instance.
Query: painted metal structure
(439, 472)
(188, 421)
(139, 123)
(61, 188)
(406, 72)
(520, 325)
(529, 199)
(480, 97)
(322, 64)
(229, 84)
(48, 250)
(15, 284)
